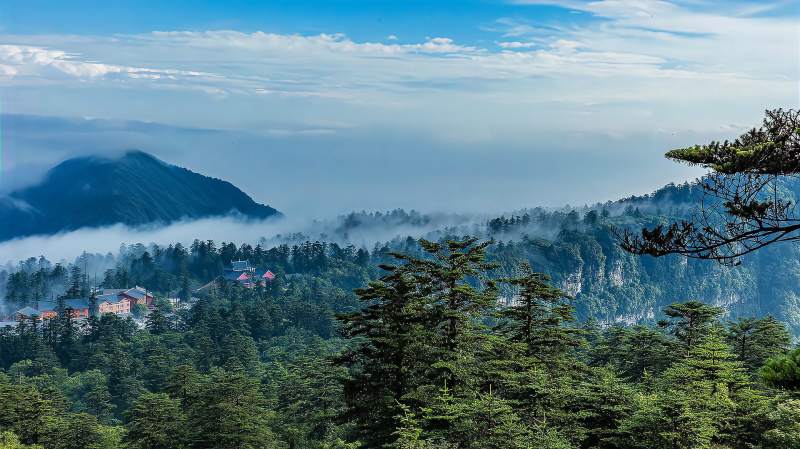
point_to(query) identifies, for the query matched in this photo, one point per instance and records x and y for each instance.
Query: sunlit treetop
(772, 149)
(745, 207)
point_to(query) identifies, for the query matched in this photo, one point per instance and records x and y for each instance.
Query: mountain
(584, 258)
(136, 189)
(579, 250)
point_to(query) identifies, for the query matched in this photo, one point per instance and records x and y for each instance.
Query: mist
(65, 247)
(362, 229)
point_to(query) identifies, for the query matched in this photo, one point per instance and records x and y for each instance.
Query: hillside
(574, 246)
(577, 247)
(584, 258)
(135, 189)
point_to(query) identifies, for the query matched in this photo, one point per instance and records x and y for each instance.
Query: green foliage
(636, 352)
(156, 321)
(755, 340)
(229, 412)
(89, 393)
(8, 440)
(445, 350)
(690, 321)
(765, 150)
(783, 371)
(785, 432)
(156, 421)
(537, 315)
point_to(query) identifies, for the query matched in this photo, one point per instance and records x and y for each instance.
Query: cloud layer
(631, 51)
(330, 121)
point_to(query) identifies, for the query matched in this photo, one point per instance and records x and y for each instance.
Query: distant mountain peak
(140, 156)
(135, 188)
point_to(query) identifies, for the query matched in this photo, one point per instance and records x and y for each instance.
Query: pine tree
(447, 279)
(636, 352)
(156, 322)
(239, 351)
(183, 384)
(185, 293)
(755, 340)
(694, 402)
(480, 421)
(785, 432)
(229, 412)
(156, 421)
(602, 402)
(422, 330)
(409, 434)
(66, 345)
(537, 317)
(690, 321)
(77, 287)
(783, 371)
(385, 365)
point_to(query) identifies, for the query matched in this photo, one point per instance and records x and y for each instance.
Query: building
(45, 310)
(267, 276)
(27, 313)
(237, 276)
(117, 302)
(240, 266)
(249, 279)
(113, 303)
(136, 296)
(242, 273)
(248, 276)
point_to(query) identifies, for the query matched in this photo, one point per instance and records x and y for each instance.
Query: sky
(320, 107)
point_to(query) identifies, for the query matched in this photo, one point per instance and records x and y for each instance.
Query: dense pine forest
(425, 345)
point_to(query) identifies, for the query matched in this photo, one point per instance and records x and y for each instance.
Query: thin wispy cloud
(652, 38)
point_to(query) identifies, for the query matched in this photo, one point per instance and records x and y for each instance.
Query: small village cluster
(123, 301)
(115, 301)
(242, 273)
(248, 276)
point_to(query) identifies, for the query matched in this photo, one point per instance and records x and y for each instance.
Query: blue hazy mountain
(135, 189)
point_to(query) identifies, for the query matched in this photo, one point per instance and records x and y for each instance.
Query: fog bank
(363, 233)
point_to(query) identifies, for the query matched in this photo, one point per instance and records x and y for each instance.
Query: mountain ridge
(135, 189)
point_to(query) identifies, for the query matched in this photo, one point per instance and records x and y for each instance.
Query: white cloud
(655, 55)
(28, 58)
(515, 44)
(513, 28)
(565, 45)
(261, 42)
(7, 70)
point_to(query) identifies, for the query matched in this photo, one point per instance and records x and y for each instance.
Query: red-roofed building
(138, 295)
(242, 272)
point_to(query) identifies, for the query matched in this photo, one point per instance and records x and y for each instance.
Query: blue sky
(465, 20)
(467, 105)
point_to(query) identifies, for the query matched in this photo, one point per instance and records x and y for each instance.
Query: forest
(429, 351)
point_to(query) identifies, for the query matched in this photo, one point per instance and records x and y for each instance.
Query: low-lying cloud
(66, 246)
